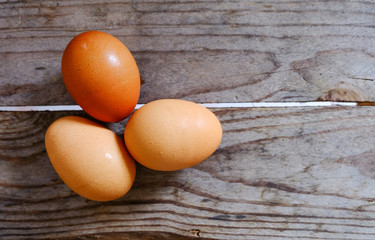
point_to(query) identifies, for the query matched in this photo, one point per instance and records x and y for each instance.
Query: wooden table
(279, 173)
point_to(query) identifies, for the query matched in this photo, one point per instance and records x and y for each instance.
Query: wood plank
(216, 51)
(278, 174)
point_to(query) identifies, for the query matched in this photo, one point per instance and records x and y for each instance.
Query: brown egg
(101, 75)
(90, 158)
(172, 134)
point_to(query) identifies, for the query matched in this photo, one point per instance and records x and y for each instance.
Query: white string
(278, 104)
(55, 108)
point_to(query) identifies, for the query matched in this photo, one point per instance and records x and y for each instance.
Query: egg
(101, 75)
(172, 134)
(89, 158)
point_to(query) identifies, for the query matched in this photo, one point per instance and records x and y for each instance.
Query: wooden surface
(296, 173)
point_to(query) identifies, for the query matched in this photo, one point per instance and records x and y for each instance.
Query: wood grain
(298, 173)
(216, 51)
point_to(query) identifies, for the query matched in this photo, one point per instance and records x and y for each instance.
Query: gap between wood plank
(55, 108)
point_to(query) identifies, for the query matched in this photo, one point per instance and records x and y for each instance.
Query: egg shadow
(150, 186)
(153, 193)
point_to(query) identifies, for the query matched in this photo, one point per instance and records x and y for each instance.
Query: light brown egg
(172, 134)
(90, 158)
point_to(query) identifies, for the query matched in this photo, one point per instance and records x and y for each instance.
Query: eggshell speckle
(101, 75)
(171, 134)
(90, 158)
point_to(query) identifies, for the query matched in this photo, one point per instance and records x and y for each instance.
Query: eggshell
(171, 134)
(101, 75)
(90, 158)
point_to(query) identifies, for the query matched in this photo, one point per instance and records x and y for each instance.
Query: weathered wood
(278, 174)
(197, 50)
